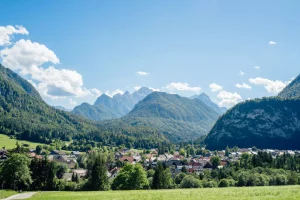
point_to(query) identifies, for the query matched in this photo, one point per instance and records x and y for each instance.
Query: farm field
(246, 193)
(8, 143)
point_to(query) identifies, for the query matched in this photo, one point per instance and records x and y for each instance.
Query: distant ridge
(106, 107)
(205, 99)
(178, 118)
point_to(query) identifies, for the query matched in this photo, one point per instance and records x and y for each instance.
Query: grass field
(249, 193)
(8, 143)
(6, 193)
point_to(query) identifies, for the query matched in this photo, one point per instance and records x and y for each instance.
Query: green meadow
(8, 143)
(246, 193)
(6, 193)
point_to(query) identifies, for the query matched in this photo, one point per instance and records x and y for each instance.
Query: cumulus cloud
(242, 73)
(271, 86)
(27, 58)
(72, 102)
(95, 92)
(244, 85)
(215, 87)
(141, 73)
(272, 42)
(257, 67)
(228, 99)
(182, 87)
(6, 33)
(113, 93)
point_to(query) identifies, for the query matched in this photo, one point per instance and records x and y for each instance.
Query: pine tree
(98, 179)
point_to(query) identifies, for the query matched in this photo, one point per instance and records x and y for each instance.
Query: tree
(182, 152)
(179, 177)
(131, 177)
(190, 182)
(157, 182)
(43, 174)
(38, 149)
(215, 161)
(227, 151)
(61, 170)
(98, 179)
(184, 170)
(162, 178)
(15, 172)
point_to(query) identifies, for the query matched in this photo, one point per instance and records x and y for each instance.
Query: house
(3, 155)
(114, 173)
(68, 176)
(75, 153)
(174, 162)
(81, 172)
(129, 159)
(71, 163)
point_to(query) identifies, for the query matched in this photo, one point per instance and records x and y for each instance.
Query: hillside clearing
(253, 193)
(8, 143)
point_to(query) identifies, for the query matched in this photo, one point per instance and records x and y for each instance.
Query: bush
(190, 182)
(227, 183)
(210, 184)
(179, 177)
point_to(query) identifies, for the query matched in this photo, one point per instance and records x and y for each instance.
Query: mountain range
(178, 118)
(205, 99)
(272, 122)
(106, 107)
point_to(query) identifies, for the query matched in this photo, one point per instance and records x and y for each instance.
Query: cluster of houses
(176, 162)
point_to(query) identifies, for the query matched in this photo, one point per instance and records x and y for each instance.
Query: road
(21, 196)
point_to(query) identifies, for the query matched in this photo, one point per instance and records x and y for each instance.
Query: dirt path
(21, 196)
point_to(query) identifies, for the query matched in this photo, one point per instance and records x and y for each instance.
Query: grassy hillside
(249, 193)
(8, 143)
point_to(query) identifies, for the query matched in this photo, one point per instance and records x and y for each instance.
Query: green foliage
(179, 177)
(215, 161)
(131, 177)
(15, 172)
(162, 178)
(264, 123)
(190, 182)
(43, 174)
(98, 179)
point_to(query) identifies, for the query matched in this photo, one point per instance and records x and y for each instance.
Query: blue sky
(96, 47)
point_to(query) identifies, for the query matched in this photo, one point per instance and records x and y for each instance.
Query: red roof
(127, 159)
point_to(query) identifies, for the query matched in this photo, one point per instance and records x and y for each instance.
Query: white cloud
(244, 85)
(272, 43)
(242, 73)
(182, 87)
(96, 92)
(27, 58)
(141, 73)
(6, 33)
(113, 93)
(228, 99)
(215, 87)
(271, 86)
(154, 89)
(137, 88)
(72, 102)
(257, 67)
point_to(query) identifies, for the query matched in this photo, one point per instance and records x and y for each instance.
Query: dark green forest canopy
(264, 123)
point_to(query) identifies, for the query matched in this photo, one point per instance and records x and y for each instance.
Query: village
(177, 162)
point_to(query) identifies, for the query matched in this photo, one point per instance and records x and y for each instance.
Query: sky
(74, 51)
